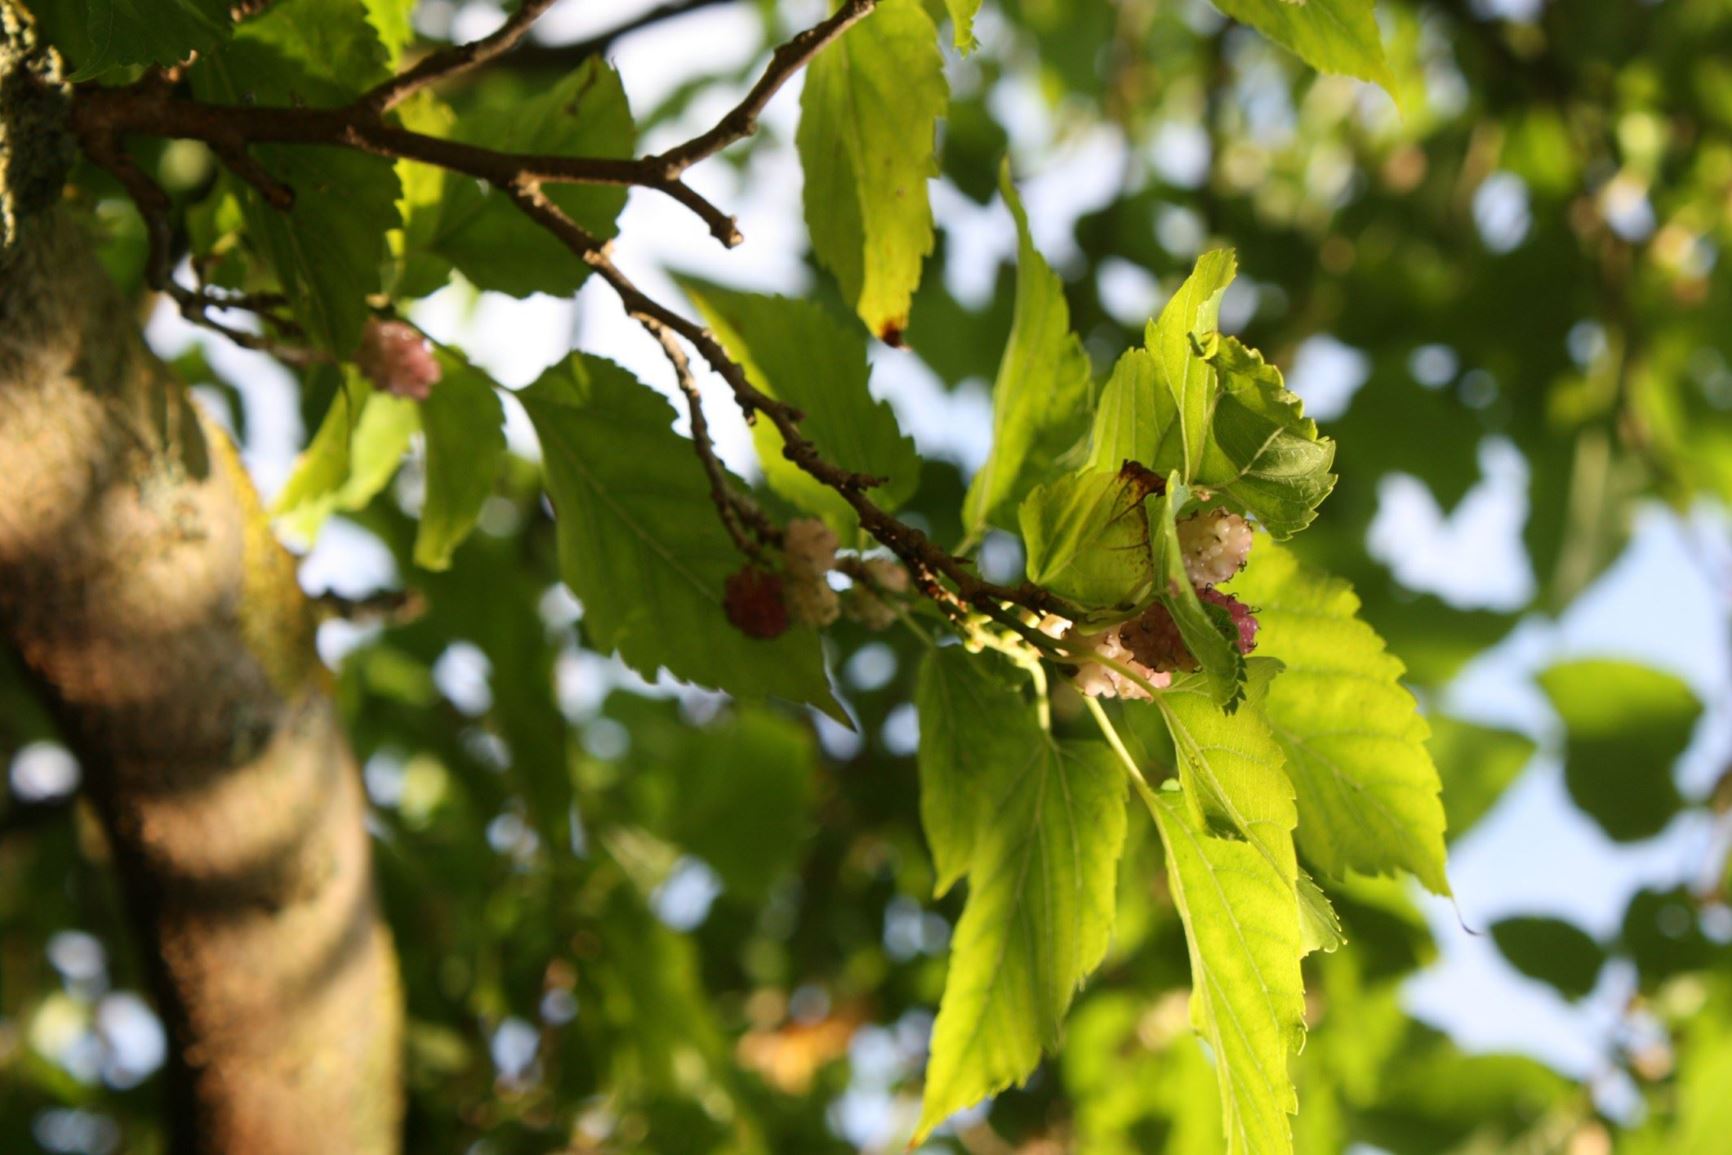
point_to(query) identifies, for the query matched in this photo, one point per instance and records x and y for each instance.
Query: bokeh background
(1501, 296)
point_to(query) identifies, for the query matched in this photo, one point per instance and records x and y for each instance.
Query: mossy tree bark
(140, 582)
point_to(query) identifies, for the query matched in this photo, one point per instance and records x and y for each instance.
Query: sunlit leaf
(868, 118)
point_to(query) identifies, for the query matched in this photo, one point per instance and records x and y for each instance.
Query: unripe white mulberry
(1215, 544)
(1098, 681)
(395, 357)
(808, 548)
(888, 574)
(811, 602)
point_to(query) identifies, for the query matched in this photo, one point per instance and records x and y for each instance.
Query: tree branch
(454, 60)
(742, 120)
(103, 117)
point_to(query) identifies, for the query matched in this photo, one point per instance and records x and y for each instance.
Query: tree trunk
(141, 584)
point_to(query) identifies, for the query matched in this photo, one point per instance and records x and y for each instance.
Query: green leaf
(642, 546)
(1626, 724)
(1087, 537)
(1262, 453)
(973, 720)
(1662, 934)
(465, 427)
(1231, 768)
(98, 35)
(744, 798)
(1319, 925)
(1157, 405)
(1040, 402)
(489, 239)
(1552, 951)
(1208, 631)
(1353, 735)
(868, 123)
(1247, 997)
(1476, 763)
(799, 353)
(391, 19)
(962, 19)
(329, 249)
(353, 456)
(1329, 35)
(1039, 912)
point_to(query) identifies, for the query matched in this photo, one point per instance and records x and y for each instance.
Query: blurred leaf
(798, 353)
(743, 797)
(354, 455)
(1552, 951)
(868, 117)
(1044, 381)
(1476, 764)
(1625, 725)
(1329, 35)
(465, 427)
(962, 16)
(642, 546)
(1662, 934)
(1353, 735)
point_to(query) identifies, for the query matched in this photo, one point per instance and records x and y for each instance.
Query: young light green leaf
(1353, 735)
(328, 250)
(485, 236)
(798, 352)
(1232, 769)
(1263, 453)
(962, 19)
(1625, 726)
(641, 544)
(1040, 401)
(465, 428)
(1329, 35)
(868, 119)
(1157, 405)
(353, 456)
(972, 721)
(391, 19)
(1087, 537)
(1243, 931)
(1208, 631)
(1040, 908)
(1319, 925)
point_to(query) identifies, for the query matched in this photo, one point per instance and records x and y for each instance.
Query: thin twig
(742, 120)
(456, 59)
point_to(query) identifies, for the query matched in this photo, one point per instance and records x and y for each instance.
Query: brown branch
(742, 120)
(923, 556)
(103, 117)
(457, 59)
(721, 489)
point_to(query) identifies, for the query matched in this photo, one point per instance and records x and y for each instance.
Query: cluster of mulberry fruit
(763, 603)
(1215, 544)
(395, 357)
